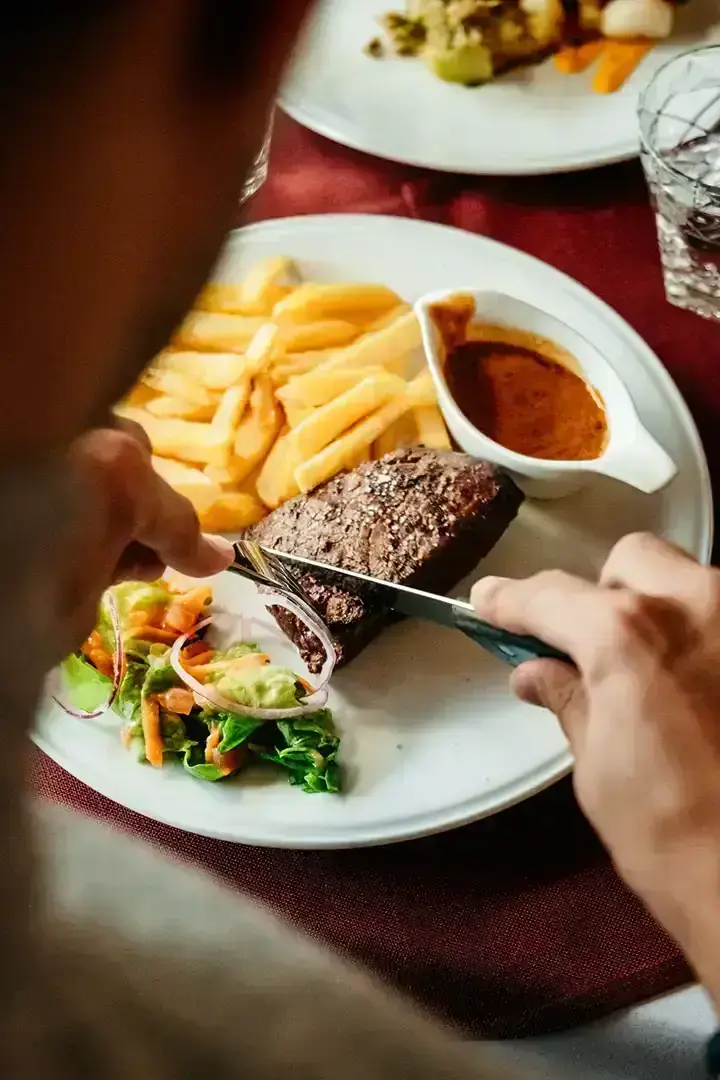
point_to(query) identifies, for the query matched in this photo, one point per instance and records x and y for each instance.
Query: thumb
(557, 687)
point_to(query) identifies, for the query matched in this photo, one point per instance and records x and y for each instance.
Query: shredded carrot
(93, 641)
(618, 60)
(179, 618)
(177, 700)
(151, 730)
(153, 633)
(226, 763)
(201, 671)
(213, 741)
(196, 600)
(197, 648)
(572, 59)
(305, 684)
(100, 660)
(126, 735)
(201, 660)
(231, 761)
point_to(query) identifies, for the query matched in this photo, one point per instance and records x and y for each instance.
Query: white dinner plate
(432, 737)
(533, 120)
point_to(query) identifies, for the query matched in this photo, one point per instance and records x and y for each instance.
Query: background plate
(533, 120)
(431, 736)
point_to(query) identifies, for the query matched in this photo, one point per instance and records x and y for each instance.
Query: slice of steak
(421, 517)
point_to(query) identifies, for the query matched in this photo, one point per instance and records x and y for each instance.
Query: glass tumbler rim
(644, 111)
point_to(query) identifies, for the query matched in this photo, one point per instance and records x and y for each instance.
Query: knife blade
(513, 649)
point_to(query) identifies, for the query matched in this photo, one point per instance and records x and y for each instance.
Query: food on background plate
(217, 710)
(420, 517)
(273, 385)
(473, 41)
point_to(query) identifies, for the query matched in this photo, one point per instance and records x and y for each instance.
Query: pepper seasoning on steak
(419, 517)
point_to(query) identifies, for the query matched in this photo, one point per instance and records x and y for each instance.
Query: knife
(513, 649)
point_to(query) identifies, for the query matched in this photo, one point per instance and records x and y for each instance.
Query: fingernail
(222, 546)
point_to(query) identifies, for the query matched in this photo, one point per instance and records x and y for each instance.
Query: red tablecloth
(518, 924)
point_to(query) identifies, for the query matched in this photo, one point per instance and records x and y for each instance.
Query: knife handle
(513, 649)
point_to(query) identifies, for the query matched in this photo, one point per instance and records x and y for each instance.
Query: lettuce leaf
(236, 729)
(195, 764)
(174, 734)
(87, 688)
(128, 701)
(307, 747)
(159, 678)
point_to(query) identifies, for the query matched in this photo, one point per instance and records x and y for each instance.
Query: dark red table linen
(517, 925)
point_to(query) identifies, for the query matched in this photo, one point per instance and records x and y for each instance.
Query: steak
(419, 517)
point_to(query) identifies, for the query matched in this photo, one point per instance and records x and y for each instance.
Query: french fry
(212, 371)
(400, 434)
(335, 457)
(325, 389)
(173, 438)
(327, 361)
(287, 367)
(175, 384)
(164, 405)
(296, 414)
(317, 303)
(431, 428)
(326, 423)
(360, 459)
(422, 390)
(311, 336)
(381, 349)
(269, 282)
(192, 483)
(226, 422)
(253, 438)
(258, 430)
(139, 396)
(389, 317)
(276, 482)
(261, 350)
(232, 512)
(217, 332)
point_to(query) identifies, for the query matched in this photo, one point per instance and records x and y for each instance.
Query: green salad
(217, 712)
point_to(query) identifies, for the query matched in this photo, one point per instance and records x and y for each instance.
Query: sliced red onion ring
(118, 666)
(210, 694)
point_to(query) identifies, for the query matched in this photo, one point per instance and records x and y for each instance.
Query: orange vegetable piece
(197, 648)
(212, 743)
(154, 748)
(196, 600)
(177, 700)
(572, 59)
(226, 763)
(180, 618)
(618, 60)
(154, 634)
(198, 663)
(100, 660)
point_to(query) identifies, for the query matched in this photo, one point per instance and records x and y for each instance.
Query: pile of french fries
(272, 386)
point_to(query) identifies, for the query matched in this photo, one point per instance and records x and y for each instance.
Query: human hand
(642, 713)
(133, 526)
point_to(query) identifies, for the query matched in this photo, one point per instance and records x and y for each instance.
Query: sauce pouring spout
(639, 461)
